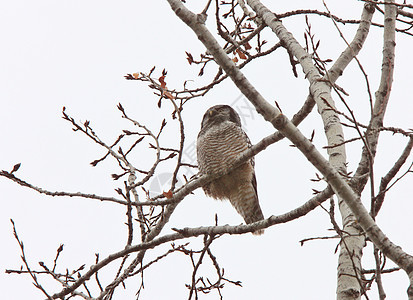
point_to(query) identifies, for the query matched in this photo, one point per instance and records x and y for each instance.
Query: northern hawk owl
(220, 141)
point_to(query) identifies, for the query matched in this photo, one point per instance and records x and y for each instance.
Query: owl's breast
(219, 146)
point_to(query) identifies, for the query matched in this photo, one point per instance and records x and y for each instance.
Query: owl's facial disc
(218, 114)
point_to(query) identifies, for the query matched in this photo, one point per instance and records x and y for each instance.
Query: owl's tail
(247, 205)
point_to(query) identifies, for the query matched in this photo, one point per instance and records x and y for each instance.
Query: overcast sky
(75, 54)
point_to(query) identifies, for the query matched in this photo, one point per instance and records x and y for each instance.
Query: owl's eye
(211, 112)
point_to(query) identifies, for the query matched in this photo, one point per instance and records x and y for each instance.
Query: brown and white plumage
(220, 141)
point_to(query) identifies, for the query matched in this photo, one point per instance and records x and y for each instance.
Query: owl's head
(218, 114)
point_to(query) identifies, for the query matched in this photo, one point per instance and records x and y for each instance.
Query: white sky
(75, 53)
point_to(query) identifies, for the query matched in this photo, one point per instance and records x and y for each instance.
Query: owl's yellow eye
(211, 112)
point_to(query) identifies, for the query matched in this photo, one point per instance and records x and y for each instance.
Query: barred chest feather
(218, 147)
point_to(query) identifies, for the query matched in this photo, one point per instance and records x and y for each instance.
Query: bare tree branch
(239, 25)
(280, 122)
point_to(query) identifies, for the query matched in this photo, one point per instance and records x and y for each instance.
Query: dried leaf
(168, 194)
(162, 81)
(135, 75)
(241, 54)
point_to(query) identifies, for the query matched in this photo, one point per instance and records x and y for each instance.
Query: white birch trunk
(349, 265)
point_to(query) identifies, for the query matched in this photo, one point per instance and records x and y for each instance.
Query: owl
(220, 141)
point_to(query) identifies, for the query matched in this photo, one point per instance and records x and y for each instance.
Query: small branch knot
(201, 18)
(279, 121)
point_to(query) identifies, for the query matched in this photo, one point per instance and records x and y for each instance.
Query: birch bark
(349, 264)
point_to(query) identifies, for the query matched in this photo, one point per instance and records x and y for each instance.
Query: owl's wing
(254, 184)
